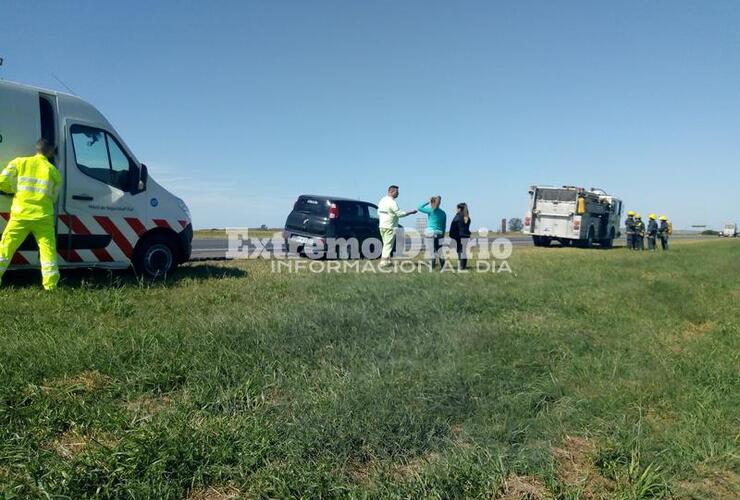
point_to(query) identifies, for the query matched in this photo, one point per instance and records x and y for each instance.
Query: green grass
(209, 234)
(584, 373)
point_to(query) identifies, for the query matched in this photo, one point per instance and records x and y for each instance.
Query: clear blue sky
(238, 107)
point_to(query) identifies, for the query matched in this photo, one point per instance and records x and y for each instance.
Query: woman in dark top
(460, 231)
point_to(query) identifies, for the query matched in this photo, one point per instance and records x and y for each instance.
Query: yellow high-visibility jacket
(35, 183)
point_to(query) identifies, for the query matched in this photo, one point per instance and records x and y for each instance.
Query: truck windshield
(554, 194)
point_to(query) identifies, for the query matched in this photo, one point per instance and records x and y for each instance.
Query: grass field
(583, 374)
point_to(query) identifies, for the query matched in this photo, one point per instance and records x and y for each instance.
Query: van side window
(99, 156)
(46, 113)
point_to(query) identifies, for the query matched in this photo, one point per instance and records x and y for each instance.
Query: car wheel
(156, 256)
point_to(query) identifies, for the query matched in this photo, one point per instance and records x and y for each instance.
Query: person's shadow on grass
(97, 278)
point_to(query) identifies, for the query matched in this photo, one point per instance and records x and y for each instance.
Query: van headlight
(184, 208)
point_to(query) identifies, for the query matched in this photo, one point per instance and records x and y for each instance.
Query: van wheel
(156, 256)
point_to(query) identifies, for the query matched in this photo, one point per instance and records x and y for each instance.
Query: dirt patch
(413, 466)
(696, 330)
(86, 381)
(362, 472)
(517, 487)
(715, 485)
(575, 467)
(147, 406)
(214, 493)
(400, 471)
(73, 442)
(692, 331)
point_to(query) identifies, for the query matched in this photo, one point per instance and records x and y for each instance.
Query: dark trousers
(437, 241)
(462, 263)
(651, 242)
(630, 241)
(664, 242)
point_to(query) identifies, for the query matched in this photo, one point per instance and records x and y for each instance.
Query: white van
(111, 214)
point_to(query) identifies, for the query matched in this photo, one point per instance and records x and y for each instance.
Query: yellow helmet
(653, 216)
(638, 216)
(663, 217)
(631, 212)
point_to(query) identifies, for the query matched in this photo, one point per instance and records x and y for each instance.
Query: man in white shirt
(389, 214)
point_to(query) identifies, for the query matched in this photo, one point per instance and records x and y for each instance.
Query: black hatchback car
(314, 219)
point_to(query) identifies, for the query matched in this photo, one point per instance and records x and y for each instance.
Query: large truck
(729, 230)
(111, 214)
(572, 216)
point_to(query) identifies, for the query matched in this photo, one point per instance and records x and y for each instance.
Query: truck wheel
(609, 242)
(589, 241)
(156, 256)
(541, 241)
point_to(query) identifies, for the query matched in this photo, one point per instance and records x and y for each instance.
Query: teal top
(436, 219)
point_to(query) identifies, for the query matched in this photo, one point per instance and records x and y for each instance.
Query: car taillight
(333, 211)
(528, 221)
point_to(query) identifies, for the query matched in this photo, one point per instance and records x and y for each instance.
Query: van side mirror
(143, 176)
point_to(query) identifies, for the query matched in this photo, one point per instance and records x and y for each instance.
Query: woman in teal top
(436, 224)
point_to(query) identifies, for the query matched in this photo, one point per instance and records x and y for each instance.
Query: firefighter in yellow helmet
(630, 229)
(664, 231)
(639, 233)
(652, 231)
(34, 183)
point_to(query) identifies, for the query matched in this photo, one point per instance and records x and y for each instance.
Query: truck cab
(572, 216)
(729, 230)
(110, 213)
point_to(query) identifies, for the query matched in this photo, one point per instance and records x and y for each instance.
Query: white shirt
(389, 213)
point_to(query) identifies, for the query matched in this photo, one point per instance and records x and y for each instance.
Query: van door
(19, 130)
(101, 213)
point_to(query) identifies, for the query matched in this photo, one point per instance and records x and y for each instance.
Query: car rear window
(549, 194)
(311, 206)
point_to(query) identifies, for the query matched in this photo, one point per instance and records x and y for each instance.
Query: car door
(355, 215)
(100, 213)
(373, 221)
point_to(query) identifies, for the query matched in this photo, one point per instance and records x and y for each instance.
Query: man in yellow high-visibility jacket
(34, 183)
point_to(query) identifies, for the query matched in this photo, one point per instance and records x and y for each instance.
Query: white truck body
(109, 210)
(554, 215)
(729, 230)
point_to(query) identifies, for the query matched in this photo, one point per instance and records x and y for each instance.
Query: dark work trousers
(462, 263)
(437, 241)
(630, 241)
(664, 242)
(651, 243)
